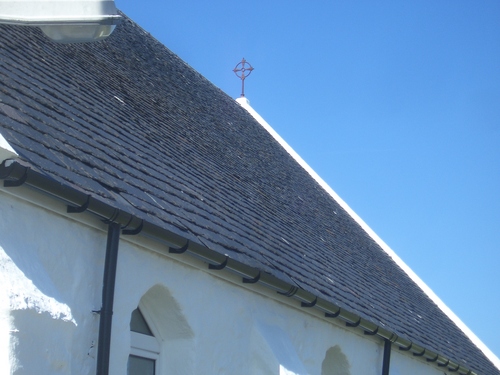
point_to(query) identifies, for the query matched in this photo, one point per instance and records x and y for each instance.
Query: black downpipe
(108, 294)
(387, 357)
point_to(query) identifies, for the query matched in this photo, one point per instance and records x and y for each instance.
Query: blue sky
(396, 105)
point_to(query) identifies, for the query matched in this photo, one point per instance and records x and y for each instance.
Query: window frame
(145, 346)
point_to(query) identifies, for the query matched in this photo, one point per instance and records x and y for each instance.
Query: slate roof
(128, 122)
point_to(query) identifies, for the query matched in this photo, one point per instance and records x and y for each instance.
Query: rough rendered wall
(50, 273)
(52, 269)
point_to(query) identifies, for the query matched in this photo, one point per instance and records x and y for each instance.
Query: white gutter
(245, 103)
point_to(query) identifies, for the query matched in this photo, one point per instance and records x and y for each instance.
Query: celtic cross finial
(243, 70)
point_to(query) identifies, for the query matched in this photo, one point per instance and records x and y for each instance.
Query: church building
(151, 224)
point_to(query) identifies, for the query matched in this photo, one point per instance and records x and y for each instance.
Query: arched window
(161, 339)
(144, 347)
(335, 362)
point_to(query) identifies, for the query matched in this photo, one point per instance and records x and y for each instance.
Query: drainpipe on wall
(387, 357)
(108, 294)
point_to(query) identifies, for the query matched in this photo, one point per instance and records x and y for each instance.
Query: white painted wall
(50, 272)
(52, 269)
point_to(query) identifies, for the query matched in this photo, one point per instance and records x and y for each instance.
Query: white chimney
(63, 21)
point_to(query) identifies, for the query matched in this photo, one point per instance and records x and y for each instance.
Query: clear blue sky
(396, 105)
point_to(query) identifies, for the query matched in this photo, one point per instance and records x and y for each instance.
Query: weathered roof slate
(128, 122)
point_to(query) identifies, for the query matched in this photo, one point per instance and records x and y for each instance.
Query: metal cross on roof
(243, 70)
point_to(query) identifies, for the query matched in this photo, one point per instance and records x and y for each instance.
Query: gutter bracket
(18, 182)
(309, 304)
(132, 232)
(218, 266)
(349, 324)
(433, 359)
(419, 354)
(252, 281)
(173, 250)
(444, 364)
(82, 208)
(454, 370)
(407, 348)
(333, 315)
(372, 333)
